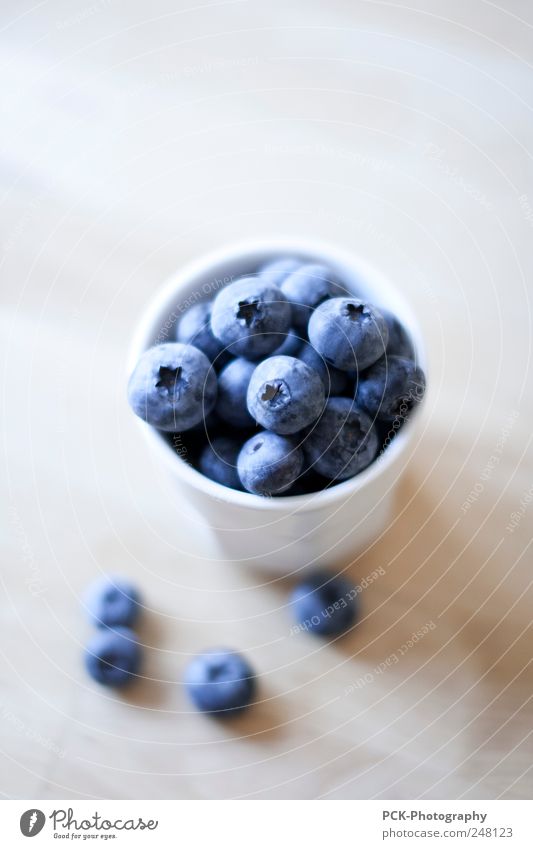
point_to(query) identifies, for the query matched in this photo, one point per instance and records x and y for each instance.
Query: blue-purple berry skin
(305, 288)
(269, 464)
(113, 657)
(391, 388)
(400, 343)
(290, 345)
(218, 461)
(335, 381)
(309, 482)
(275, 271)
(112, 601)
(285, 395)
(324, 604)
(343, 442)
(280, 347)
(349, 333)
(194, 328)
(173, 387)
(251, 317)
(233, 383)
(220, 682)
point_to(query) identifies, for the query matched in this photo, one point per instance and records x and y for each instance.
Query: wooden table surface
(138, 136)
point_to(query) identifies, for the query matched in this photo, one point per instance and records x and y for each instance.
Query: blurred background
(138, 136)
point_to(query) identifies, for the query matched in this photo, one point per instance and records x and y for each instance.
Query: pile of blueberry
(284, 384)
(220, 682)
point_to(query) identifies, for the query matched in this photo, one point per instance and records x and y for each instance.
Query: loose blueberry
(391, 388)
(324, 604)
(306, 288)
(343, 442)
(233, 383)
(400, 343)
(251, 317)
(349, 333)
(285, 395)
(113, 657)
(277, 270)
(194, 328)
(335, 381)
(220, 682)
(173, 387)
(112, 601)
(269, 464)
(218, 461)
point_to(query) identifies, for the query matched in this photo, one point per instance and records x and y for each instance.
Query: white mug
(286, 533)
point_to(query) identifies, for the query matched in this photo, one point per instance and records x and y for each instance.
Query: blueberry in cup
(400, 343)
(285, 395)
(391, 388)
(248, 317)
(233, 383)
(349, 333)
(327, 377)
(194, 328)
(335, 381)
(218, 461)
(173, 387)
(305, 288)
(275, 271)
(268, 464)
(343, 442)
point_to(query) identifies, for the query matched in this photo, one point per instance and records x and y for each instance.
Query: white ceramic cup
(291, 533)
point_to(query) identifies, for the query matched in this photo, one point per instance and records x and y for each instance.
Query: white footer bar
(272, 824)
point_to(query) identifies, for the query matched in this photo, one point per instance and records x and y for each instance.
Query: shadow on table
(435, 594)
(262, 722)
(149, 691)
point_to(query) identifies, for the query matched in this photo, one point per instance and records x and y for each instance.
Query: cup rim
(160, 305)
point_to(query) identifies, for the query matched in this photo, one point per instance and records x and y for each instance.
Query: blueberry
(112, 601)
(209, 424)
(349, 333)
(285, 395)
(391, 388)
(324, 604)
(194, 328)
(343, 442)
(113, 657)
(269, 464)
(250, 316)
(307, 483)
(306, 288)
(173, 387)
(218, 461)
(400, 343)
(277, 270)
(233, 383)
(220, 682)
(335, 381)
(290, 345)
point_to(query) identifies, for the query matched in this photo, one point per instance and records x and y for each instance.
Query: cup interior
(201, 280)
